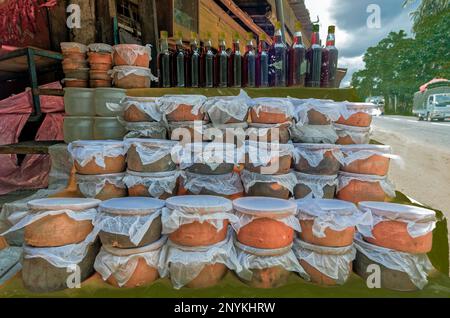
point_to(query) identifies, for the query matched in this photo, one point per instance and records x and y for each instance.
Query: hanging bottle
(207, 63)
(235, 64)
(330, 56)
(221, 63)
(262, 62)
(249, 65)
(314, 59)
(179, 66)
(164, 62)
(195, 61)
(297, 59)
(278, 63)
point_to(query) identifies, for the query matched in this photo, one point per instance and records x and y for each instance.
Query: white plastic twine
(122, 267)
(170, 103)
(316, 183)
(249, 179)
(211, 154)
(337, 219)
(314, 153)
(417, 266)
(416, 227)
(222, 109)
(84, 152)
(228, 184)
(91, 186)
(133, 226)
(184, 264)
(63, 256)
(359, 135)
(173, 219)
(27, 218)
(314, 134)
(258, 259)
(148, 106)
(330, 261)
(263, 153)
(332, 110)
(274, 105)
(130, 53)
(157, 183)
(151, 151)
(345, 178)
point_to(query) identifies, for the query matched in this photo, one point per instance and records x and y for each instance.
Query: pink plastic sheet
(33, 172)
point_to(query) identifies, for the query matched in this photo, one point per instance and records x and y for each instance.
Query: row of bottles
(262, 66)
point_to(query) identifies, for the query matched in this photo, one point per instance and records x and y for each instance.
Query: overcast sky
(352, 34)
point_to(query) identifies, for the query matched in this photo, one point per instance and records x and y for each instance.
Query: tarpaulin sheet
(33, 172)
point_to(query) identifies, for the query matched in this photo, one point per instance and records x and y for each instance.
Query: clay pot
(266, 231)
(101, 67)
(109, 190)
(73, 47)
(392, 231)
(264, 133)
(268, 117)
(200, 168)
(317, 118)
(69, 65)
(139, 78)
(317, 277)
(302, 189)
(376, 164)
(57, 230)
(40, 276)
(75, 56)
(330, 165)
(199, 234)
(134, 114)
(212, 193)
(135, 163)
(271, 190)
(332, 238)
(100, 75)
(99, 58)
(143, 273)
(75, 83)
(284, 164)
(357, 190)
(142, 190)
(281, 157)
(361, 115)
(129, 207)
(349, 135)
(132, 55)
(185, 132)
(210, 276)
(184, 113)
(81, 74)
(100, 83)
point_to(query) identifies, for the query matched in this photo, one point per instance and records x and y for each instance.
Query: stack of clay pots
(200, 248)
(151, 169)
(267, 170)
(101, 63)
(354, 123)
(131, 66)
(316, 168)
(75, 64)
(59, 240)
(209, 169)
(265, 231)
(100, 167)
(397, 240)
(130, 231)
(325, 244)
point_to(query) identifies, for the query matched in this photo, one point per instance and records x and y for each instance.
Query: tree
(427, 8)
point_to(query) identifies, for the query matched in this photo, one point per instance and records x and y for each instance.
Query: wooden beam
(87, 33)
(245, 18)
(28, 147)
(105, 30)
(57, 25)
(148, 21)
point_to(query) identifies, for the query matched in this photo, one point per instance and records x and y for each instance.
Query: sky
(353, 36)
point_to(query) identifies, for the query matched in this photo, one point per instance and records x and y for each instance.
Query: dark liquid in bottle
(249, 69)
(297, 64)
(314, 60)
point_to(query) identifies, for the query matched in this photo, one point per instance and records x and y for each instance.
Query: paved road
(425, 149)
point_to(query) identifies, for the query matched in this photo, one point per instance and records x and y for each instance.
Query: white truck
(434, 103)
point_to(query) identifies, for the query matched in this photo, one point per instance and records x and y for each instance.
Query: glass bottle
(330, 56)
(314, 59)
(235, 64)
(297, 59)
(278, 63)
(179, 67)
(249, 65)
(262, 62)
(207, 63)
(221, 62)
(195, 61)
(164, 62)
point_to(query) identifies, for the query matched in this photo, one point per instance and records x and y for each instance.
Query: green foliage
(399, 64)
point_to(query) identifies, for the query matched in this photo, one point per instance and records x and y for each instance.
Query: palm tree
(426, 9)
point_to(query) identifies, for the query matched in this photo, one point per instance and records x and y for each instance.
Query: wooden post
(148, 21)
(57, 25)
(105, 11)
(87, 33)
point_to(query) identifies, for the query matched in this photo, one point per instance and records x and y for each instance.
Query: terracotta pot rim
(51, 204)
(263, 252)
(139, 250)
(324, 249)
(131, 206)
